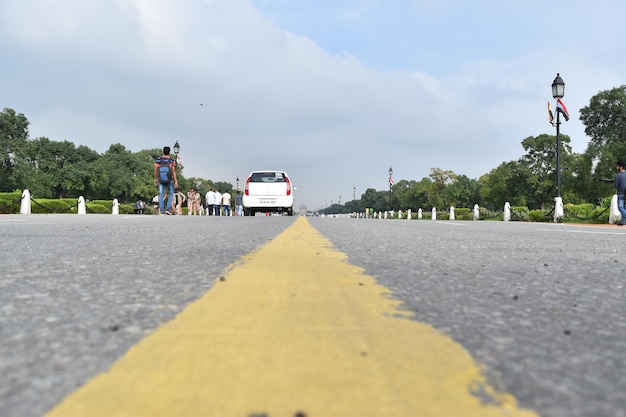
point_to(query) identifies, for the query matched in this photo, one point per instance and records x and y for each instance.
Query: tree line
(529, 181)
(52, 169)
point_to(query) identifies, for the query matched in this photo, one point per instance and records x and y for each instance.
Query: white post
(25, 204)
(433, 215)
(82, 208)
(451, 212)
(385, 214)
(419, 213)
(558, 208)
(476, 212)
(507, 211)
(408, 214)
(399, 214)
(116, 207)
(614, 212)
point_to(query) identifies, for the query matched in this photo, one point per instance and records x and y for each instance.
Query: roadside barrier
(80, 206)
(477, 213)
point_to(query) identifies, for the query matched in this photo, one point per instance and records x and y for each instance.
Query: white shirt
(210, 197)
(226, 199)
(218, 198)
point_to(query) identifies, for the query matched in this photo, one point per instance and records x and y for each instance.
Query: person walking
(239, 203)
(620, 187)
(210, 202)
(190, 202)
(218, 202)
(226, 203)
(197, 201)
(179, 200)
(165, 178)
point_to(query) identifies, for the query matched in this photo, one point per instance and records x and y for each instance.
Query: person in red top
(165, 177)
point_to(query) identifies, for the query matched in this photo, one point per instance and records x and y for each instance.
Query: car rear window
(267, 177)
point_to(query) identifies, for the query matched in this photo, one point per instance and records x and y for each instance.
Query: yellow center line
(294, 328)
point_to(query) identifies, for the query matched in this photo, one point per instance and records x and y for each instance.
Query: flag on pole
(391, 181)
(550, 115)
(560, 107)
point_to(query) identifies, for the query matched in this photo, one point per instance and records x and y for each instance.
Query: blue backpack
(165, 172)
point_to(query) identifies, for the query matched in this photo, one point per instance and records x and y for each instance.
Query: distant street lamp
(558, 91)
(354, 194)
(339, 200)
(238, 184)
(390, 184)
(176, 151)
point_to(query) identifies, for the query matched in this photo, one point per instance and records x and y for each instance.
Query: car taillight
(247, 188)
(288, 186)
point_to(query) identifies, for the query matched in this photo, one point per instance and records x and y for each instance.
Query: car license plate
(267, 201)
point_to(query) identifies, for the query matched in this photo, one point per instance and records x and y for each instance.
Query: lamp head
(558, 87)
(176, 148)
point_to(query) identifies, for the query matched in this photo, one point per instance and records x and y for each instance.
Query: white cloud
(240, 93)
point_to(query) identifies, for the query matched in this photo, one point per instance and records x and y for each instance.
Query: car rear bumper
(267, 203)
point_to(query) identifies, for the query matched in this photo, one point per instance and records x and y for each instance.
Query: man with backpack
(165, 177)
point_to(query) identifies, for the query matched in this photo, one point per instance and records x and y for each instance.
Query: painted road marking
(293, 328)
(588, 232)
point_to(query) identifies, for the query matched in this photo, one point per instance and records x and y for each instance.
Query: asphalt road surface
(539, 307)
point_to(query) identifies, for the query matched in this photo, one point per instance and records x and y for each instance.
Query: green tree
(463, 192)
(440, 180)
(116, 171)
(605, 123)
(605, 117)
(508, 182)
(377, 200)
(13, 141)
(540, 159)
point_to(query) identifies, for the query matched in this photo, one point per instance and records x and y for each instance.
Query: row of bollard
(25, 207)
(614, 214)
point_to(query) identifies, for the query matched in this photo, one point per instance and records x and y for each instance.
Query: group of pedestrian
(217, 203)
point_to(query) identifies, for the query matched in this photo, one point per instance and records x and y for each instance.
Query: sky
(332, 92)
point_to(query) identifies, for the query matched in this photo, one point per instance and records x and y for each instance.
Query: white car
(268, 191)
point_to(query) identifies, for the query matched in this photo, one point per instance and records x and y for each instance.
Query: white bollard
(116, 207)
(507, 211)
(408, 214)
(399, 214)
(385, 215)
(82, 207)
(25, 204)
(476, 212)
(614, 211)
(380, 215)
(419, 214)
(558, 208)
(451, 212)
(433, 215)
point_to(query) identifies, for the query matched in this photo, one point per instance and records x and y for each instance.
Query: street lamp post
(390, 184)
(558, 91)
(176, 152)
(354, 194)
(237, 183)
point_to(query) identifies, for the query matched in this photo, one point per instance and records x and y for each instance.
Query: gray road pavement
(77, 291)
(541, 305)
